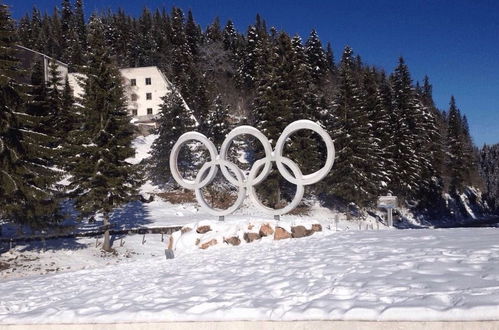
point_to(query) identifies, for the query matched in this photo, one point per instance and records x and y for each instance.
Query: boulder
(203, 229)
(250, 237)
(208, 244)
(300, 231)
(266, 230)
(233, 240)
(281, 233)
(316, 227)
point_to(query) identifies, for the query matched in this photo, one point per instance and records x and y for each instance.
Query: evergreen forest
(389, 135)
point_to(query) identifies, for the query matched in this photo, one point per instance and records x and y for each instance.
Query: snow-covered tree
(25, 180)
(218, 121)
(174, 120)
(352, 179)
(316, 57)
(101, 179)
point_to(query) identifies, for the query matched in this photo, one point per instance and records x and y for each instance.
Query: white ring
(249, 130)
(312, 177)
(241, 193)
(244, 183)
(183, 139)
(300, 190)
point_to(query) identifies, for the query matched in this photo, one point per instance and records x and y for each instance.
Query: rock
(266, 230)
(185, 230)
(250, 237)
(208, 244)
(281, 233)
(233, 240)
(316, 227)
(203, 229)
(300, 231)
(250, 226)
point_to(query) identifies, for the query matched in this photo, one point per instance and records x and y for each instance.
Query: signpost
(389, 203)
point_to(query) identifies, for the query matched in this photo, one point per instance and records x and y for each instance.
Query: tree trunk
(106, 246)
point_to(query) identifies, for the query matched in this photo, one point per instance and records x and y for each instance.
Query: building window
(148, 81)
(133, 82)
(148, 96)
(134, 112)
(149, 111)
(134, 97)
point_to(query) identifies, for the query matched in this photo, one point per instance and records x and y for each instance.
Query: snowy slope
(450, 274)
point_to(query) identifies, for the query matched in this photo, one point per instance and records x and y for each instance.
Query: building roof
(41, 54)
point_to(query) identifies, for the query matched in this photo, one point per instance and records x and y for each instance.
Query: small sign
(387, 202)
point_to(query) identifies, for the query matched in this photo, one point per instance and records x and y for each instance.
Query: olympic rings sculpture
(246, 182)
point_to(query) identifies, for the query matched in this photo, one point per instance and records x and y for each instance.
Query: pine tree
(304, 104)
(317, 59)
(407, 112)
(25, 181)
(431, 191)
(351, 180)
(379, 132)
(182, 59)
(330, 58)
(79, 26)
(146, 43)
(214, 31)
(461, 158)
(246, 73)
(489, 170)
(66, 27)
(101, 178)
(230, 37)
(202, 107)
(218, 121)
(193, 34)
(37, 40)
(174, 120)
(24, 31)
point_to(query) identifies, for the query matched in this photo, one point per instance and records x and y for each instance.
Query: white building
(144, 88)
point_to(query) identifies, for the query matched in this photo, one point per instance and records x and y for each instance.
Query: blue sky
(456, 43)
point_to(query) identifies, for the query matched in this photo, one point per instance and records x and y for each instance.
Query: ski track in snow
(450, 274)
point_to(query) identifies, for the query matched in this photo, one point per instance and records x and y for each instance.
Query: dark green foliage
(406, 141)
(352, 179)
(214, 31)
(25, 178)
(174, 120)
(102, 180)
(317, 59)
(489, 170)
(460, 162)
(218, 122)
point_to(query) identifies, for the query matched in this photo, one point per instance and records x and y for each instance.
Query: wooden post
(390, 218)
(106, 246)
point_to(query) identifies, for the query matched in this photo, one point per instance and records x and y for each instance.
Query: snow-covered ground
(447, 274)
